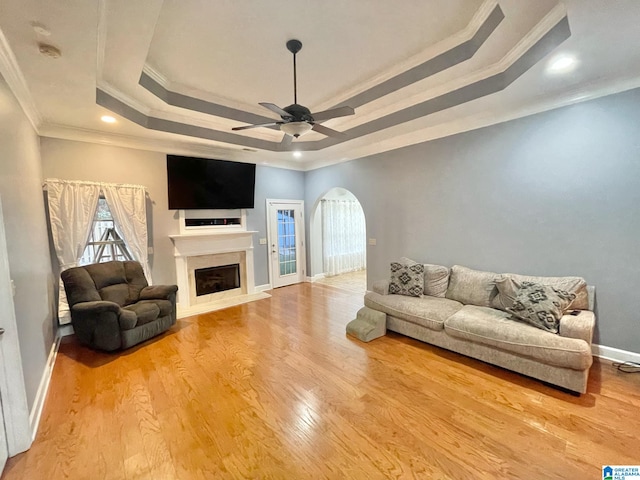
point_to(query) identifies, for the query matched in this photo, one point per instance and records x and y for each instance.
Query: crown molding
(485, 119)
(17, 83)
(123, 97)
(156, 76)
(63, 132)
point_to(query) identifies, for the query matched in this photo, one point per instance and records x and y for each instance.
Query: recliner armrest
(578, 326)
(95, 307)
(157, 292)
(381, 287)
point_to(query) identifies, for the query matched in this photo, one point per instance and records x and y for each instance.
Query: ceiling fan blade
(329, 132)
(246, 127)
(276, 109)
(333, 113)
(286, 141)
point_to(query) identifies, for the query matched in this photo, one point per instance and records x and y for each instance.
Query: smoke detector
(49, 50)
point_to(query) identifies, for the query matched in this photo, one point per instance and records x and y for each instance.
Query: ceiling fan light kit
(295, 129)
(297, 119)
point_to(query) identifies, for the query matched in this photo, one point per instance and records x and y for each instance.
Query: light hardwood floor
(275, 389)
(355, 282)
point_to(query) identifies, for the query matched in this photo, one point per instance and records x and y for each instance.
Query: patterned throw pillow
(406, 279)
(541, 305)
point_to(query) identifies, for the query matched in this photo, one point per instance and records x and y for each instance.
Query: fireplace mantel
(209, 244)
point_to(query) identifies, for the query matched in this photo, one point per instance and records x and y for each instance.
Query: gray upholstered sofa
(464, 310)
(113, 307)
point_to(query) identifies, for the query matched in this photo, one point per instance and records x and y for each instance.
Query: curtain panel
(343, 236)
(128, 205)
(72, 208)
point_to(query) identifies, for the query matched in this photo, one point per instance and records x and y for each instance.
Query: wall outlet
(373, 241)
(263, 241)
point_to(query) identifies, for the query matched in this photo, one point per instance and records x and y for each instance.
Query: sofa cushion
(492, 327)
(165, 306)
(145, 312)
(541, 305)
(429, 312)
(118, 293)
(127, 319)
(406, 279)
(79, 286)
(436, 280)
(509, 284)
(472, 287)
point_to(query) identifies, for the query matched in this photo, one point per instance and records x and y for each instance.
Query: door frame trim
(303, 249)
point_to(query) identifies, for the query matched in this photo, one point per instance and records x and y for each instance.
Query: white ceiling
(233, 54)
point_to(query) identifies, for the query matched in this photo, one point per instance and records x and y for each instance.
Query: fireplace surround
(209, 248)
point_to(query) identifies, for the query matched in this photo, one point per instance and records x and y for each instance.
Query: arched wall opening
(340, 246)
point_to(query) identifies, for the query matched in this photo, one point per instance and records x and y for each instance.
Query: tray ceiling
(179, 74)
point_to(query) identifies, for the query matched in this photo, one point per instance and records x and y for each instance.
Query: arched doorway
(338, 241)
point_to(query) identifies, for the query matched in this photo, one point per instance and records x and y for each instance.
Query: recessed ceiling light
(297, 154)
(562, 64)
(108, 119)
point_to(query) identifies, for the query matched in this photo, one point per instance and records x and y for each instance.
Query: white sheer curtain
(128, 206)
(343, 236)
(72, 206)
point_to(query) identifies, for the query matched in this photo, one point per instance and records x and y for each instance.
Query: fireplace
(217, 279)
(214, 269)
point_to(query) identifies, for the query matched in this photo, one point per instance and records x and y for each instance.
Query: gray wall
(272, 183)
(27, 239)
(557, 193)
(72, 160)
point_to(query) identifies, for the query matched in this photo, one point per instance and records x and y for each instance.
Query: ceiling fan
(297, 119)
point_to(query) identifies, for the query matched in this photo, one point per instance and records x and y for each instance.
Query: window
(105, 244)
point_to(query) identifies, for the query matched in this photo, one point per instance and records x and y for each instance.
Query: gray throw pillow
(436, 278)
(406, 279)
(509, 284)
(541, 305)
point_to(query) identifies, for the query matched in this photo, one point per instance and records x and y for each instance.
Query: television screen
(199, 183)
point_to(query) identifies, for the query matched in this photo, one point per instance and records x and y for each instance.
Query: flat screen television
(199, 183)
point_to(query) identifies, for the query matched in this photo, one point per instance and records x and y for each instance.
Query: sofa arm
(578, 326)
(93, 308)
(381, 287)
(158, 292)
(96, 324)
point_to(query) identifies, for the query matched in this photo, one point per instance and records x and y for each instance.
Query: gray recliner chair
(113, 307)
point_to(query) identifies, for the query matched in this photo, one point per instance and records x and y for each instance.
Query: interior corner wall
(557, 193)
(27, 239)
(71, 160)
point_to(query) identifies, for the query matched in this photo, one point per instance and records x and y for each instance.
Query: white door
(285, 232)
(15, 432)
(4, 452)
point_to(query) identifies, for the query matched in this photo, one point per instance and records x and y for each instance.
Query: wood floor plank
(276, 389)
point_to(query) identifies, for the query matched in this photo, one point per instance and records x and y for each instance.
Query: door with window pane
(286, 242)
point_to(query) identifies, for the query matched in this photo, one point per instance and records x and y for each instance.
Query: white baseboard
(43, 389)
(263, 288)
(614, 354)
(315, 278)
